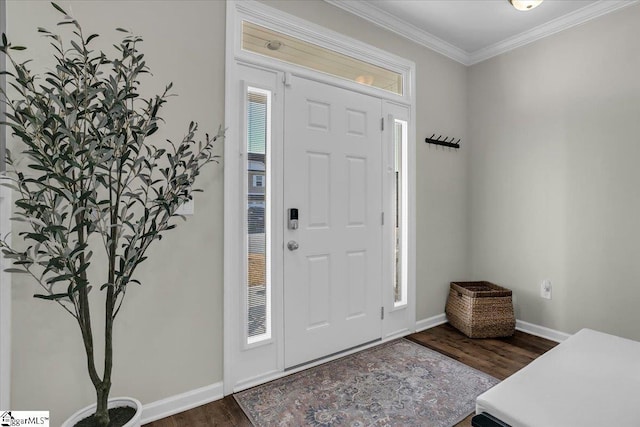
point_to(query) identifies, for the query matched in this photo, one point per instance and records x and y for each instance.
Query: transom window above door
(273, 44)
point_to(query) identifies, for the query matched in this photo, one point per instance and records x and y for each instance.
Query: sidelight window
(257, 205)
(400, 130)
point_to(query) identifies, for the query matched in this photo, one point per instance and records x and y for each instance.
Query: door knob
(292, 245)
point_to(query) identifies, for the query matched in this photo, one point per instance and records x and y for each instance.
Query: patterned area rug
(399, 383)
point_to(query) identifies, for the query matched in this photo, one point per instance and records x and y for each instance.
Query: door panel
(319, 185)
(333, 175)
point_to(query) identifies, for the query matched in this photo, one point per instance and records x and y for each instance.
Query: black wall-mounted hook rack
(446, 142)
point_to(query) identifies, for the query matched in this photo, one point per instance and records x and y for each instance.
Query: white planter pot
(113, 403)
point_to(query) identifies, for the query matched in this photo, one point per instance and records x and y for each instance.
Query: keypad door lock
(292, 219)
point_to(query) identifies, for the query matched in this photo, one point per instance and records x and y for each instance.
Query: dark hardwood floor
(497, 357)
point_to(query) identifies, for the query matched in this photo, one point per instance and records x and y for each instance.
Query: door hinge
(381, 313)
(382, 218)
(382, 123)
(286, 79)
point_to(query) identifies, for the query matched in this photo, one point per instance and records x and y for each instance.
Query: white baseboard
(430, 322)
(181, 402)
(541, 331)
(530, 328)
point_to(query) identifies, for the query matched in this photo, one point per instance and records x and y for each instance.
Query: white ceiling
(471, 31)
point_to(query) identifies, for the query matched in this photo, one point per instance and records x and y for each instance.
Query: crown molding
(389, 22)
(383, 19)
(554, 26)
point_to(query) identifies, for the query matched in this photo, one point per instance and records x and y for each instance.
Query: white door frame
(5, 279)
(241, 68)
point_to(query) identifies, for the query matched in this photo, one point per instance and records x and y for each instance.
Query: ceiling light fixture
(525, 4)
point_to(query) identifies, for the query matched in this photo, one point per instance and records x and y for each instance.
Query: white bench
(591, 379)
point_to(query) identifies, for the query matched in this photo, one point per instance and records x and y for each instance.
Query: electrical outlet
(545, 289)
(187, 208)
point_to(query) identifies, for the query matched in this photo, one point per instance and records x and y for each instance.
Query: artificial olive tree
(89, 188)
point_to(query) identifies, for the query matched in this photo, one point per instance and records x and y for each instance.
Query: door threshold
(332, 355)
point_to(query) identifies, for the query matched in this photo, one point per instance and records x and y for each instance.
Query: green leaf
(61, 10)
(37, 237)
(76, 46)
(60, 278)
(83, 268)
(14, 270)
(91, 37)
(18, 48)
(54, 228)
(51, 297)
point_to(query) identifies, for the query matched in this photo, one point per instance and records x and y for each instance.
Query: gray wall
(554, 131)
(169, 336)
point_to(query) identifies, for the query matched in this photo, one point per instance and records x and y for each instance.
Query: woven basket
(480, 309)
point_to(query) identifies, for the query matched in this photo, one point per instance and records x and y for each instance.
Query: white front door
(333, 260)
